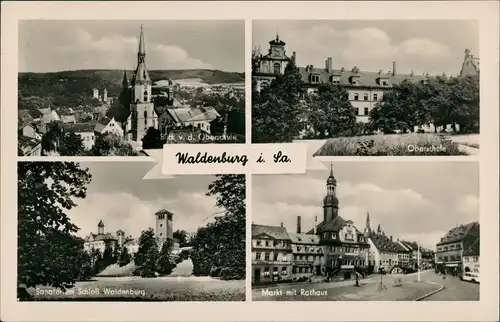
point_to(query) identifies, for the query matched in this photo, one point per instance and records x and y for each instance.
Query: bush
(214, 271)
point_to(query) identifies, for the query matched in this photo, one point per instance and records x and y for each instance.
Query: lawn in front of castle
(134, 288)
(408, 144)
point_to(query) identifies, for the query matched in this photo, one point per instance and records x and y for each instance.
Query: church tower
(368, 229)
(142, 111)
(330, 202)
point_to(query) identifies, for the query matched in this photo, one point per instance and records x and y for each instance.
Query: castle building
(344, 246)
(450, 249)
(271, 254)
(364, 88)
(103, 240)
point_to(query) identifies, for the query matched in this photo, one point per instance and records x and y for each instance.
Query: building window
(266, 271)
(277, 69)
(275, 257)
(258, 243)
(375, 97)
(356, 110)
(366, 110)
(314, 78)
(283, 271)
(257, 256)
(365, 97)
(356, 96)
(267, 243)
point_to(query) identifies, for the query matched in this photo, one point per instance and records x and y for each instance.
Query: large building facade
(450, 249)
(271, 254)
(364, 88)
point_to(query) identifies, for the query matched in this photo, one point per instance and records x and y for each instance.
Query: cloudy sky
(55, 45)
(414, 201)
(420, 46)
(120, 197)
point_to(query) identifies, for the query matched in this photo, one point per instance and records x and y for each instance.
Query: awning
(451, 265)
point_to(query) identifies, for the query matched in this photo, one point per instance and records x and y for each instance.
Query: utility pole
(418, 261)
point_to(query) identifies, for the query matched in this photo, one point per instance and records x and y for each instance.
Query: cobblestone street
(410, 290)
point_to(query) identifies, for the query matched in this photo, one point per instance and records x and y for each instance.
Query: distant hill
(67, 87)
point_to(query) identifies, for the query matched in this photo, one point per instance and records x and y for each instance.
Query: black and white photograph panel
(367, 88)
(117, 87)
(367, 231)
(100, 232)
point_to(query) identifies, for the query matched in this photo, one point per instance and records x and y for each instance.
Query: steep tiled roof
(183, 115)
(304, 238)
(119, 112)
(335, 224)
(79, 127)
(458, 233)
(273, 231)
(97, 237)
(101, 124)
(384, 244)
(410, 245)
(35, 113)
(473, 249)
(364, 79)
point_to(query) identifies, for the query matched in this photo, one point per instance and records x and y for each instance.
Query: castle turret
(100, 228)
(164, 225)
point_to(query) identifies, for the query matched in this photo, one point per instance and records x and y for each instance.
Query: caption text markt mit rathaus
(293, 292)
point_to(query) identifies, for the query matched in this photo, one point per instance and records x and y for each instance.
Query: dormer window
(354, 80)
(314, 79)
(383, 81)
(335, 79)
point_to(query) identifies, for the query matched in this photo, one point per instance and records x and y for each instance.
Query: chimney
(298, 225)
(281, 224)
(329, 65)
(393, 68)
(294, 57)
(391, 238)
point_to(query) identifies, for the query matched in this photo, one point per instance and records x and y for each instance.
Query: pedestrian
(357, 279)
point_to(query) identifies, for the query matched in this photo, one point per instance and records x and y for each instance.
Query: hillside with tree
(73, 88)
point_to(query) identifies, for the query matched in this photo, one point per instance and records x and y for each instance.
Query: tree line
(219, 247)
(284, 111)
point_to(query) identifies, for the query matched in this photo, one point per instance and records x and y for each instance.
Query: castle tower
(142, 111)
(95, 93)
(164, 225)
(105, 95)
(330, 202)
(121, 238)
(100, 228)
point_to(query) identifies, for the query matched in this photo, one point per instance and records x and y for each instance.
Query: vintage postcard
(250, 161)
